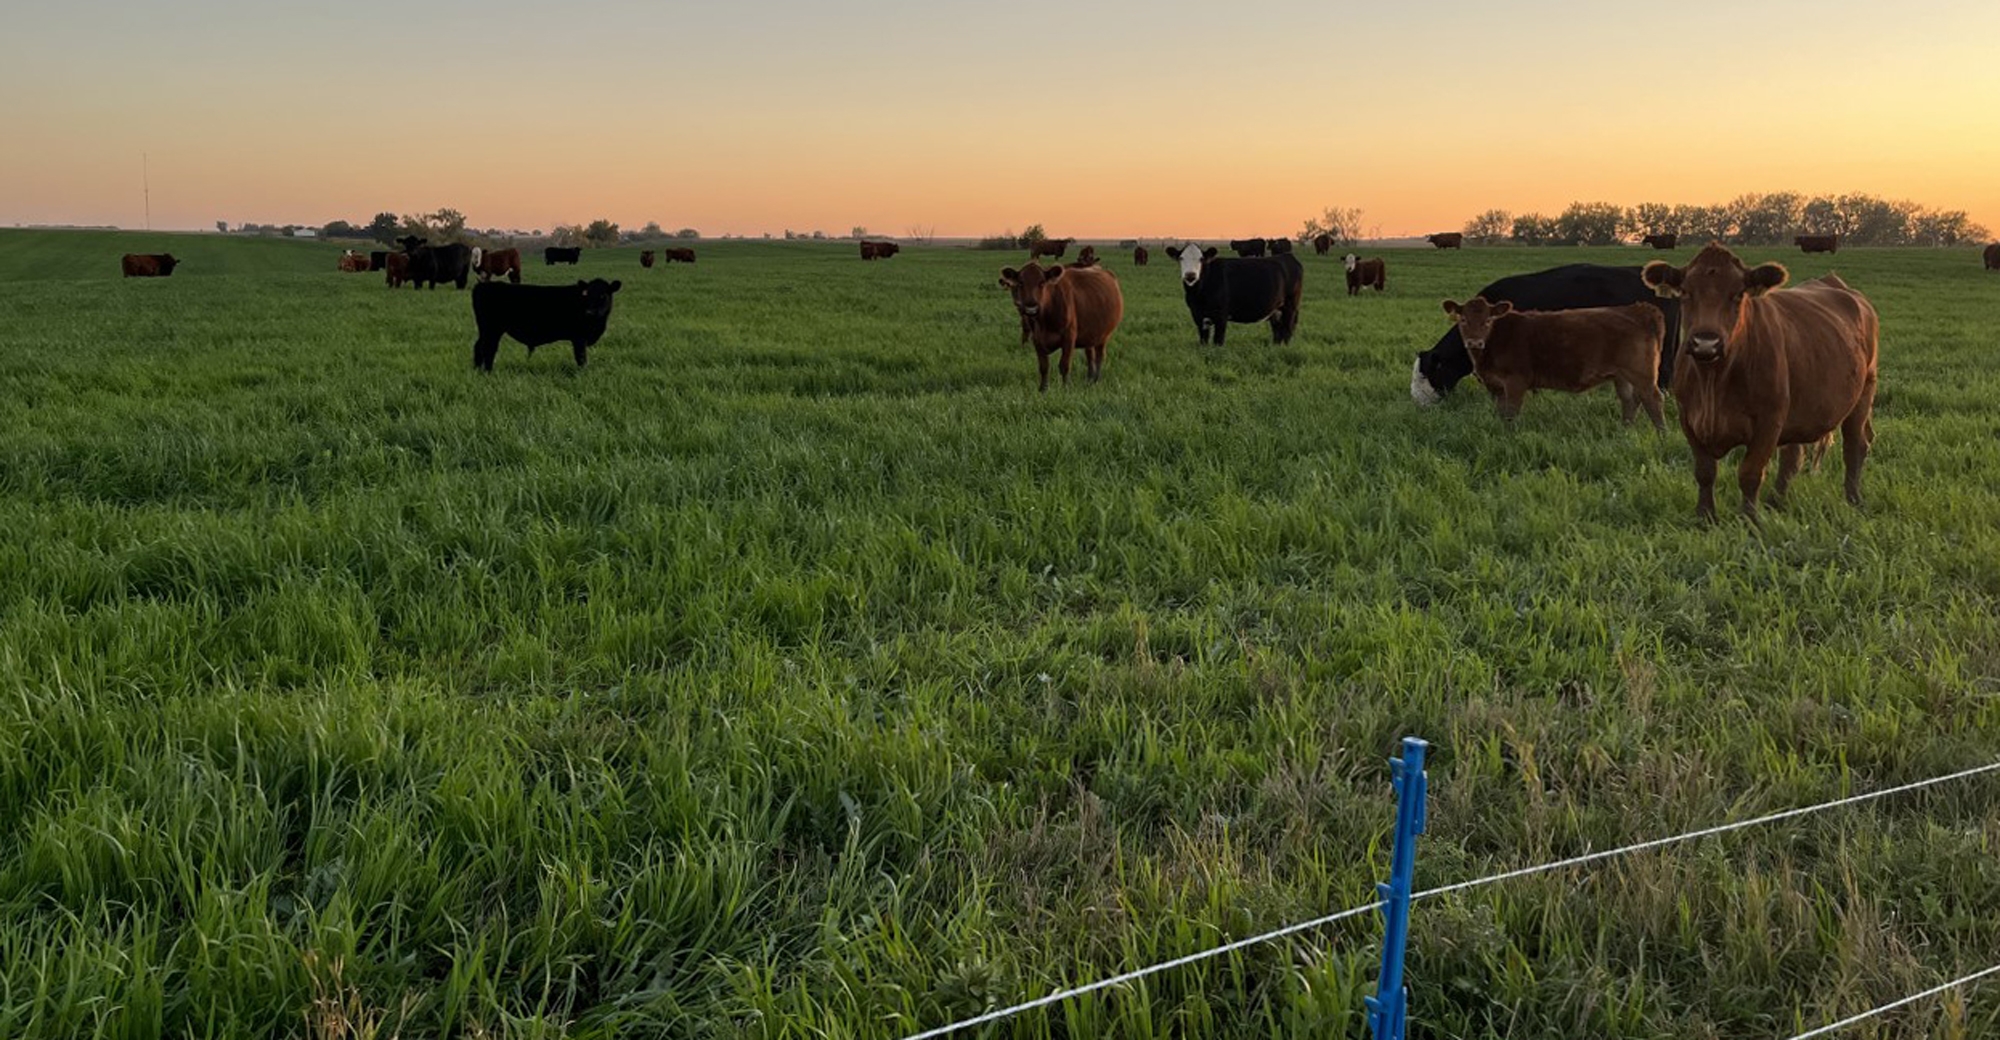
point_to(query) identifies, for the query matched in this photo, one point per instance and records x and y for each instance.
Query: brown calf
(1054, 247)
(1514, 352)
(1322, 244)
(148, 265)
(1370, 272)
(496, 262)
(1067, 309)
(1768, 369)
(1992, 257)
(679, 255)
(396, 270)
(646, 259)
(1086, 257)
(1447, 239)
(1140, 256)
(352, 262)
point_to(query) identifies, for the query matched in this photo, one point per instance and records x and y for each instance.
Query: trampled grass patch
(797, 670)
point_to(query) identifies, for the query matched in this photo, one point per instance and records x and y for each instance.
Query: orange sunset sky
(1096, 119)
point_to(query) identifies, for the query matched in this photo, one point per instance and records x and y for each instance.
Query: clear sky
(1096, 117)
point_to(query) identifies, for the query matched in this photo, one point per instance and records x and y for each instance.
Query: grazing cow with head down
(493, 263)
(1447, 240)
(1086, 257)
(553, 255)
(538, 314)
(1440, 368)
(646, 259)
(1220, 289)
(1817, 243)
(872, 250)
(680, 255)
(1140, 256)
(1667, 241)
(1514, 352)
(1054, 247)
(1371, 272)
(1991, 256)
(148, 265)
(1769, 369)
(396, 269)
(431, 265)
(1067, 309)
(1247, 247)
(1322, 244)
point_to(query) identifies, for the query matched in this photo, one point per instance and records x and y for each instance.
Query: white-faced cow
(1221, 289)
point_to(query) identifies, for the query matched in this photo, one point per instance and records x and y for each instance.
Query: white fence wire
(1462, 886)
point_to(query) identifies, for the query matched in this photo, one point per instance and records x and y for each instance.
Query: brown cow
(1992, 257)
(1371, 272)
(493, 263)
(1667, 241)
(879, 250)
(396, 269)
(646, 259)
(1817, 243)
(353, 262)
(1067, 309)
(1447, 240)
(1768, 369)
(1514, 352)
(1086, 257)
(1054, 247)
(148, 265)
(1140, 256)
(680, 255)
(1322, 244)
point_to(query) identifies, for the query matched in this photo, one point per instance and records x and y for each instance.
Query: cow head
(1715, 291)
(1192, 260)
(1475, 318)
(1030, 286)
(596, 295)
(1350, 261)
(168, 263)
(410, 243)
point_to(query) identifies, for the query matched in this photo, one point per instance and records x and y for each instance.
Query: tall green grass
(797, 670)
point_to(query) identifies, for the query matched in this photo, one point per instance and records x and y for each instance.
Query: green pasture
(796, 670)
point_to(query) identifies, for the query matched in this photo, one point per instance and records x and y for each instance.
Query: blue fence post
(1388, 1009)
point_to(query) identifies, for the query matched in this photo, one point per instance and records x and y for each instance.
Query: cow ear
(1764, 278)
(617, 284)
(1664, 277)
(1174, 251)
(1053, 274)
(1451, 307)
(1210, 253)
(1009, 277)
(1503, 307)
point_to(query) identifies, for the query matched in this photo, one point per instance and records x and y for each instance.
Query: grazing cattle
(1322, 244)
(148, 265)
(646, 259)
(1817, 243)
(1440, 368)
(879, 250)
(396, 269)
(352, 262)
(1054, 247)
(1992, 257)
(1140, 257)
(1447, 240)
(1086, 257)
(1371, 272)
(1247, 247)
(538, 314)
(1221, 289)
(431, 265)
(680, 255)
(378, 259)
(553, 255)
(1514, 352)
(1669, 241)
(496, 262)
(1067, 309)
(1279, 245)
(1769, 369)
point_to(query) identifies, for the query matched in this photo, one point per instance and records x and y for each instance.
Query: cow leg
(1221, 330)
(484, 350)
(514, 276)
(1042, 359)
(1704, 483)
(1068, 350)
(1628, 403)
(1509, 402)
(1856, 434)
(1790, 458)
(1649, 397)
(1750, 472)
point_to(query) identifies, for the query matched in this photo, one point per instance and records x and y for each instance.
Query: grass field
(797, 671)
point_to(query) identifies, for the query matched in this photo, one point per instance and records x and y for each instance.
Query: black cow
(553, 255)
(431, 265)
(538, 314)
(1557, 289)
(1279, 245)
(378, 259)
(1247, 247)
(1222, 289)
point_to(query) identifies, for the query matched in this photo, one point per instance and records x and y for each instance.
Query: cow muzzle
(1189, 280)
(1031, 310)
(1704, 346)
(1421, 390)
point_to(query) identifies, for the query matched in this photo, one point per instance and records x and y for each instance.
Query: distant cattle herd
(1751, 363)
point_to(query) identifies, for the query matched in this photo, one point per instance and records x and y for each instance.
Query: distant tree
(1652, 218)
(819, 236)
(1704, 224)
(601, 232)
(1765, 219)
(1589, 224)
(858, 232)
(1032, 236)
(1533, 229)
(1489, 227)
(1820, 217)
(341, 229)
(222, 226)
(688, 232)
(447, 225)
(566, 235)
(920, 233)
(1342, 222)
(652, 231)
(383, 228)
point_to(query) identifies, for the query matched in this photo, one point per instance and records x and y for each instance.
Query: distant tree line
(1773, 219)
(449, 225)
